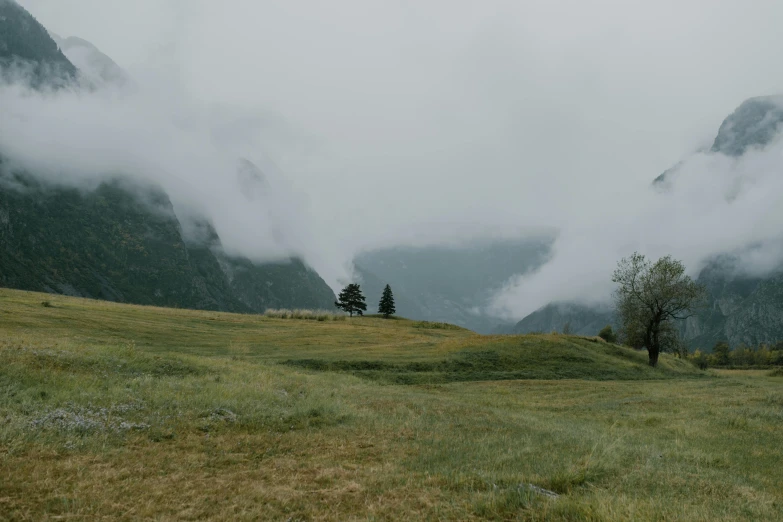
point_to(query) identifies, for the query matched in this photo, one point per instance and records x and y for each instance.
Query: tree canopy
(650, 298)
(351, 300)
(386, 305)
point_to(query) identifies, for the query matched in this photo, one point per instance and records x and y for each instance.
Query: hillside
(204, 416)
(26, 47)
(399, 350)
(580, 319)
(93, 65)
(122, 242)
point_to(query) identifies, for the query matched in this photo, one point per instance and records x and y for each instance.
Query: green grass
(125, 412)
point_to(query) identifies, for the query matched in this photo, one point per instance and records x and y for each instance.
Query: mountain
(449, 283)
(754, 124)
(579, 319)
(123, 242)
(27, 48)
(740, 309)
(93, 65)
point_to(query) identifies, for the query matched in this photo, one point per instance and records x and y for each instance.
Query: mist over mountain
(359, 142)
(453, 283)
(745, 285)
(27, 50)
(117, 236)
(93, 65)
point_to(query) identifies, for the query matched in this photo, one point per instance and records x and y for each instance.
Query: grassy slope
(215, 429)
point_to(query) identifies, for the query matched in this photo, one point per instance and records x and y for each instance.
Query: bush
(700, 359)
(607, 334)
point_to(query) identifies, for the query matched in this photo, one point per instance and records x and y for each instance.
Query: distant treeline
(722, 356)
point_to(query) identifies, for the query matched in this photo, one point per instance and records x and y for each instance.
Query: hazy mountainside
(739, 309)
(120, 241)
(754, 124)
(580, 319)
(96, 67)
(124, 243)
(26, 45)
(448, 283)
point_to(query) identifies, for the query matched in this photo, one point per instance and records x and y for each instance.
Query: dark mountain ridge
(27, 50)
(123, 242)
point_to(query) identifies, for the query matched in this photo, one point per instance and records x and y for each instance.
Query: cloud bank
(385, 123)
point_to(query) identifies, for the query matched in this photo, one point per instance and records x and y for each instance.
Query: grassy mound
(513, 357)
(391, 351)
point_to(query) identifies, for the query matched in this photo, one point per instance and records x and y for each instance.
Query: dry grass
(308, 315)
(235, 436)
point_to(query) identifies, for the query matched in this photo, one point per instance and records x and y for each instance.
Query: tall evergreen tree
(386, 306)
(351, 300)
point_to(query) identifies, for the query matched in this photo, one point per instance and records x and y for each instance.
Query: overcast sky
(420, 121)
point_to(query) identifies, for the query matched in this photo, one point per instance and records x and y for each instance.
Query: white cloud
(402, 122)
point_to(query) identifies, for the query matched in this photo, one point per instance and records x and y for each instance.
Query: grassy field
(125, 412)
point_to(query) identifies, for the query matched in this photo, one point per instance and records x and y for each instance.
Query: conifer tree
(351, 300)
(386, 306)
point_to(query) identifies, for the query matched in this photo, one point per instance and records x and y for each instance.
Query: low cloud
(713, 204)
(376, 124)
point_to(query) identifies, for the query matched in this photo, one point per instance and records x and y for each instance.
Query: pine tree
(386, 306)
(351, 300)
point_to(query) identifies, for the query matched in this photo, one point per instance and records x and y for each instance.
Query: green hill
(395, 351)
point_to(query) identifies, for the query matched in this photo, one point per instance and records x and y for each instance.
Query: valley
(140, 412)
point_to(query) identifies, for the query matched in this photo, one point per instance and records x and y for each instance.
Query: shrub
(607, 334)
(700, 359)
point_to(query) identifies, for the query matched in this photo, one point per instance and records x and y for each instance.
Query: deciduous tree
(650, 298)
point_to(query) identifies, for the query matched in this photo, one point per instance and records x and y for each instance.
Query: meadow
(126, 412)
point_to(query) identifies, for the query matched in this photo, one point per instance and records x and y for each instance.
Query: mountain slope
(93, 65)
(449, 283)
(557, 317)
(123, 242)
(26, 47)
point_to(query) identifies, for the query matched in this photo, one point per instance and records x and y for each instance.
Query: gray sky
(429, 121)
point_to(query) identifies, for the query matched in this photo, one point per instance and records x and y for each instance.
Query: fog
(395, 123)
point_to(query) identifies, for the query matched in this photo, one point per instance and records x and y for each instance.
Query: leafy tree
(721, 353)
(386, 306)
(351, 300)
(607, 334)
(650, 298)
(700, 359)
(567, 328)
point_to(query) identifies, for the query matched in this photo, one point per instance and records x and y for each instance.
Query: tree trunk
(653, 353)
(655, 346)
